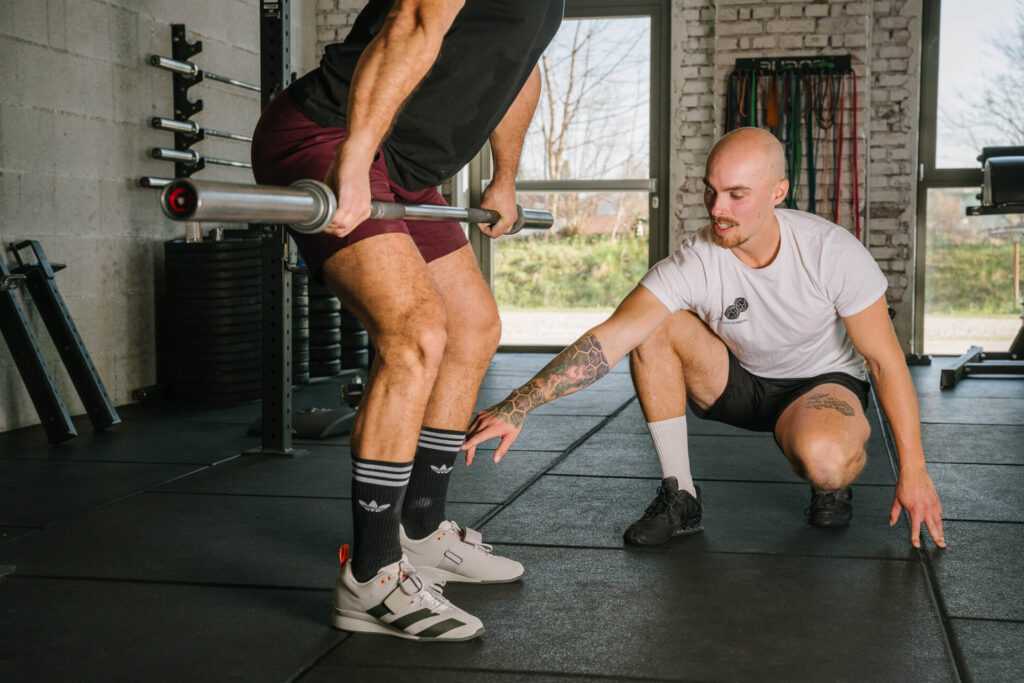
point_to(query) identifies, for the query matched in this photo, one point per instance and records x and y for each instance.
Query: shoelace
(664, 500)
(472, 537)
(821, 499)
(423, 583)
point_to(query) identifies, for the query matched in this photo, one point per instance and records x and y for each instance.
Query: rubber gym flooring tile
(969, 410)
(979, 573)
(387, 674)
(39, 492)
(169, 441)
(992, 649)
(9, 533)
(242, 540)
(738, 517)
(552, 432)
(975, 444)
(532, 362)
(64, 630)
(753, 458)
(326, 472)
(584, 402)
(506, 382)
(926, 381)
(989, 493)
(712, 617)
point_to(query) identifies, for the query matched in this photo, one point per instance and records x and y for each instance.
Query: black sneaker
(830, 508)
(671, 513)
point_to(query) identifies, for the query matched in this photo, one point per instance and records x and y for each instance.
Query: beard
(731, 239)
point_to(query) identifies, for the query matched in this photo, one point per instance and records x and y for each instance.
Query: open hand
(918, 495)
(490, 424)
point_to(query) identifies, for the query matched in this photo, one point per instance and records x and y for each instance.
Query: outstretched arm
(576, 367)
(872, 334)
(506, 146)
(390, 68)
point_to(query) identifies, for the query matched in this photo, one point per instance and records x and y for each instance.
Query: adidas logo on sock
(441, 469)
(373, 507)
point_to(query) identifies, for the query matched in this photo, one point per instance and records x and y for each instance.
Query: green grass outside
(579, 272)
(970, 279)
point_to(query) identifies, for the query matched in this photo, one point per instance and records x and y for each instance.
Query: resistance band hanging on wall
(802, 101)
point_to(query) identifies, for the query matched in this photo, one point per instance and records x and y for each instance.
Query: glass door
(590, 159)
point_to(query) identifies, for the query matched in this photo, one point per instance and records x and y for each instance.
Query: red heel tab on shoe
(343, 554)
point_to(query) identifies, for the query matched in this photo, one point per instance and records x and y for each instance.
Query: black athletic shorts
(755, 403)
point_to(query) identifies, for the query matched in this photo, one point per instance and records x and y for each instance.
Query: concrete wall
(76, 94)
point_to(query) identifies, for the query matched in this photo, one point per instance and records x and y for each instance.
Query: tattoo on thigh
(823, 401)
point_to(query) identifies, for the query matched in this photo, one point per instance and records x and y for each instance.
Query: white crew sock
(670, 442)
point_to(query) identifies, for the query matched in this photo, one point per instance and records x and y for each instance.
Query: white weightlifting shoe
(459, 555)
(400, 601)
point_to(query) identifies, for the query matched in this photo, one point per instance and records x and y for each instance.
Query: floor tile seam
(554, 463)
(925, 421)
(563, 675)
(236, 494)
(995, 620)
(983, 464)
(343, 636)
(160, 582)
(950, 643)
(705, 479)
(1009, 522)
(95, 461)
(656, 551)
(108, 503)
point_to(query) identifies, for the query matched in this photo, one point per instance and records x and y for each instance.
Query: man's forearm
(390, 68)
(576, 367)
(507, 138)
(899, 401)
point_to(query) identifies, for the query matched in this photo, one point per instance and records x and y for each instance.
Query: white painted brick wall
(76, 96)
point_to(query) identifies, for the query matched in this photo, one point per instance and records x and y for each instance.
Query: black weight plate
(215, 332)
(214, 274)
(329, 369)
(174, 262)
(199, 364)
(354, 339)
(223, 345)
(300, 334)
(218, 378)
(300, 321)
(349, 322)
(187, 318)
(324, 353)
(324, 305)
(324, 320)
(214, 291)
(355, 359)
(216, 287)
(300, 355)
(245, 301)
(324, 337)
(300, 301)
(211, 248)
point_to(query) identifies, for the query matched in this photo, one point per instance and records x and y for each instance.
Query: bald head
(755, 148)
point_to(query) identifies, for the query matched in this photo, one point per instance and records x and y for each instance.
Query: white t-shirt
(783, 320)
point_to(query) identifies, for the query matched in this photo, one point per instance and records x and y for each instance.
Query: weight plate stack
(212, 332)
(324, 333)
(300, 327)
(355, 342)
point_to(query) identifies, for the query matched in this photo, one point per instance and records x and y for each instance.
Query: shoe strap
(474, 538)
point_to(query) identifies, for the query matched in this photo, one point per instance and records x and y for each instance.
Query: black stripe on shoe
(440, 628)
(412, 618)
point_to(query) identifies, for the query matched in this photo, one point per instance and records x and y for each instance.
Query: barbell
(308, 206)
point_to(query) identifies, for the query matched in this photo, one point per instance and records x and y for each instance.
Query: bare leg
(683, 358)
(474, 330)
(384, 281)
(823, 434)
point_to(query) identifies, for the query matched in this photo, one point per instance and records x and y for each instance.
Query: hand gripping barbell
(308, 206)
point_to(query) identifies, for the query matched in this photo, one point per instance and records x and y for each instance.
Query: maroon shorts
(287, 146)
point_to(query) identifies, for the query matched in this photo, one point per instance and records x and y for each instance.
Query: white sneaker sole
(360, 622)
(459, 578)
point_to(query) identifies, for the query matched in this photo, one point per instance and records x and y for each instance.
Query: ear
(781, 190)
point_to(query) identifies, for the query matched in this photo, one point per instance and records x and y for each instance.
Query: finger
(470, 454)
(486, 229)
(935, 529)
(915, 528)
(502, 449)
(894, 513)
(478, 436)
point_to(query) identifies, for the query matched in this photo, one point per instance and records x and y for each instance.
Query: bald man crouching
(763, 320)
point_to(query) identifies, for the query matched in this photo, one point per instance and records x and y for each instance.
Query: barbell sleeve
(308, 206)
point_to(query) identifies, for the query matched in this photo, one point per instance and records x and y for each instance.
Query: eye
(735, 195)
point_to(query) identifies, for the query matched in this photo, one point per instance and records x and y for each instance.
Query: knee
(416, 346)
(657, 344)
(475, 333)
(828, 464)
